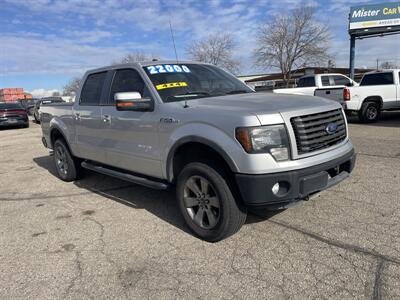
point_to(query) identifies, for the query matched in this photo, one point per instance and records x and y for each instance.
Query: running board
(125, 176)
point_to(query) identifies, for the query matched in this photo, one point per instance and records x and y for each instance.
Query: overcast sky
(44, 43)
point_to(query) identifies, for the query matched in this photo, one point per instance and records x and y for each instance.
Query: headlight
(271, 139)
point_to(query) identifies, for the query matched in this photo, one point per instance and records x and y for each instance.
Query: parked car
(378, 91)
(13, 115)
(307, 85)
(44, 101)
(194, 126)
(29, 105)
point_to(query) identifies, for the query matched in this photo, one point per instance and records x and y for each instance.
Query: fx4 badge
(169, 120)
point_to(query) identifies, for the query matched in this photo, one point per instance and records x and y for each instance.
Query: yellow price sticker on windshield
(170, 85)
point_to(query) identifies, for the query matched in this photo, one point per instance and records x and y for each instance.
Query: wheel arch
(376, 98)
(197, 147)
(56, 133)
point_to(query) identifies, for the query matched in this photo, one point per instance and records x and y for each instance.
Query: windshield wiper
(192, 93)
(236, 92)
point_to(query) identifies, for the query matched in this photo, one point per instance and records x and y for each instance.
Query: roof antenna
(173, 40)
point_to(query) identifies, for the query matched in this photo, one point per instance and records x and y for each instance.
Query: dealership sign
(379, 16)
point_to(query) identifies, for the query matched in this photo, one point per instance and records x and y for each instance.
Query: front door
(131, 137)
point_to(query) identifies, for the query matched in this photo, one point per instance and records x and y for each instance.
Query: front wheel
(369, 112)
(207, 202)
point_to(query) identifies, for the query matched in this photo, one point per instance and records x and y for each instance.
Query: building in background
(13, 94)
(275, 80)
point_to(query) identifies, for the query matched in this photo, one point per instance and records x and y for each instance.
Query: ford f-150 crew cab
(307, 85)
(199, 129)
(378, 91)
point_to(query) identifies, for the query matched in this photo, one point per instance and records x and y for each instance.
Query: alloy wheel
(372, 113)
(201, 202)
(61, 160)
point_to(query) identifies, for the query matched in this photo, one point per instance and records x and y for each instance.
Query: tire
(369, 112)
(26, 125)
(68, 167)
(36, 119)
(207, 202)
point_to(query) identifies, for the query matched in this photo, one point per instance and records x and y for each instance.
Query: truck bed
(63, 111)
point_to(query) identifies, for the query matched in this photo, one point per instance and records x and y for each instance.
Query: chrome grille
(311, 130)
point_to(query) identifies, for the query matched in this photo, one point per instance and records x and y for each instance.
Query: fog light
(275, 188)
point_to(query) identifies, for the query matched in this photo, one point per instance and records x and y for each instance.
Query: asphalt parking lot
(104, 238)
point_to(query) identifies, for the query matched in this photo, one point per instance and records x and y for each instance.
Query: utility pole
(352, 54)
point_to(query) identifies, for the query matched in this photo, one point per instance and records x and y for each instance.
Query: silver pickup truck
(197, 128)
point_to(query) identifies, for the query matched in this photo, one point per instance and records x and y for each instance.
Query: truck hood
(262, 103)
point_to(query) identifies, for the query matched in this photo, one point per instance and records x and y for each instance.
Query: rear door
(131, 138)
(88, 121)
(382, 84)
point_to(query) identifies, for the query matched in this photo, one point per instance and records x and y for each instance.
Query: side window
(306, 82)
(341, 80)
(325, 80)
(91, 91)
(128, 80)
(377, 79)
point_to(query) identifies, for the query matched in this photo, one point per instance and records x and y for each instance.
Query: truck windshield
(180, 82)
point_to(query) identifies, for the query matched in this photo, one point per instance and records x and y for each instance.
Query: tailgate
(335, 94)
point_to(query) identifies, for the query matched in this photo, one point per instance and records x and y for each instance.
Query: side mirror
(132, 101)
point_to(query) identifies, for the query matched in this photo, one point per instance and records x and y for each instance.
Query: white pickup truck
(378, 91)
(306, 85)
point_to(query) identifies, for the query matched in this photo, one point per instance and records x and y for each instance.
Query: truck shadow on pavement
(159, 203)
(388, 119)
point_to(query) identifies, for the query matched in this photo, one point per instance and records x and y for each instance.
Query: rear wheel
(369, 112)
(207, 202)
(68, 168)
(36, 118)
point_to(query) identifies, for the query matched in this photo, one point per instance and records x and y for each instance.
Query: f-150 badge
(169, 120)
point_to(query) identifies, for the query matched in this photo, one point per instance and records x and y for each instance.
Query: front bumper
(256, 190)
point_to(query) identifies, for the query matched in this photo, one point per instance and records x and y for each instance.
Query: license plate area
(313, 183)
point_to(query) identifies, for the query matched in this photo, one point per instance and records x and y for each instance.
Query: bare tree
(331, 64)
(135, 57)
(55, 94)
(216, 49)
(388, 65)
(292, 41)
(72, 87)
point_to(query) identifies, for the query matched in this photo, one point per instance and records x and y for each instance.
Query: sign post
(367, 21)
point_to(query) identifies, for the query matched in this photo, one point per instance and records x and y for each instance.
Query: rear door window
(341, 80)
(91, 91)
(325, 81)
(306, 82)
(378, 79)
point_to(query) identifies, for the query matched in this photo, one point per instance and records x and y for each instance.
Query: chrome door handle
(106, 118)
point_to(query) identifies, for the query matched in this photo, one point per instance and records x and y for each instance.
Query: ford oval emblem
(331, 128)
